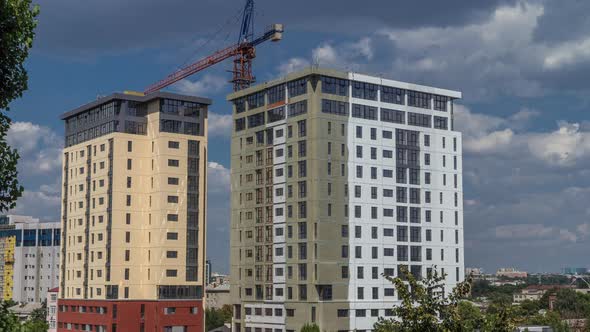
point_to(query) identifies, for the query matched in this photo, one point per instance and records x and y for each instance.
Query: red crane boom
(243, 52)
(193, 68)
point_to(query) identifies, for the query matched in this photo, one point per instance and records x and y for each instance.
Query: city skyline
(526, 139)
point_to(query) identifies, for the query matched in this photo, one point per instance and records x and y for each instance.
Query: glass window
(364, 90)
(334, 86)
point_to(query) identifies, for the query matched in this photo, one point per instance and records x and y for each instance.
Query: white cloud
(328, 54)
(523, 231)
(534, 232)
(39, 148)
(206, 86)
(293, 64)
(562, 147)
(218, 178)
(494, 141)
(219, 124)
(41, 203)
(567, 54)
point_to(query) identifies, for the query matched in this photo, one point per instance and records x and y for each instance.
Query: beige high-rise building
(133, 214)
(337, 179)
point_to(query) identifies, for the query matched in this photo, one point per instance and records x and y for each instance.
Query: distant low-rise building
(473, 271)
(511, 273)
(24, 310)
(29, 258)
(535, 292)
(218, 279)
(217, 296)
(52, 309)
(574, 270)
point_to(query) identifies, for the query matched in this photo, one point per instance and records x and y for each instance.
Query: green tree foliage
(8, 321)
(17, 30)
(215, 318)
(471, 317)
(310, 328)
(40, 314)
(10, 189)
(424, 307)
(571, 304)
(35, 325)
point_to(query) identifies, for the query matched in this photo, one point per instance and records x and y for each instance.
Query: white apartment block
(36, 257)
(337, 179)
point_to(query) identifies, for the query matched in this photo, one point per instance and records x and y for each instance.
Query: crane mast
(243, 53)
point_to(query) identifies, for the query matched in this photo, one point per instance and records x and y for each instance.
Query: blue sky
(522, 66)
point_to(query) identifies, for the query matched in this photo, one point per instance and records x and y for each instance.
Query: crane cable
(200, 48)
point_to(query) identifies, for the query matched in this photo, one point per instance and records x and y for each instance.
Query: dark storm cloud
(564, 20)
(79, 27)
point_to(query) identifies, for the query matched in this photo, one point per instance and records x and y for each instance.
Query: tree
(423, 305)
(40, 313)
(215, 318)
(17, 30)
(310, 328)
(35, 325)
(8, 321)
(471, 317)
(425, 308)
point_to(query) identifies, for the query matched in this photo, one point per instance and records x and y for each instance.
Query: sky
(522, 66)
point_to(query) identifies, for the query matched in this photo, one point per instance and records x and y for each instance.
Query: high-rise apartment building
(337, 179)
(29, 258)
(133, 214)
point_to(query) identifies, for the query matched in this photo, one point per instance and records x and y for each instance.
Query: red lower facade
(130, 316)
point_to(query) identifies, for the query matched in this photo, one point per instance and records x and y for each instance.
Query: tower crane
(243, 52)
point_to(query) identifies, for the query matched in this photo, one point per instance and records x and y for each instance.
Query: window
(420, 120)
(364, 112)
(173, 162)
(173, 181)
(393, 116)
(441, 122)
(360, 294)
(334, 107)
(402, 233)
(302, 128)
(171, 273)
(129, 164)
(297, 108)
(364, 90)
(172, 199)
(255, 100)
(334, 86)
(402, 253)
(173, 145)
(440, 103)
(297, 87)
(276, 93)
(171, 254)
(419, 99)
(172, 236)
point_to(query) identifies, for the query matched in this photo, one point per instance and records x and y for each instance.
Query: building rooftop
(344, 75)
(134, 97)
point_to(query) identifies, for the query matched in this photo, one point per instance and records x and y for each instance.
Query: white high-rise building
(338, 178)
(35, 264)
